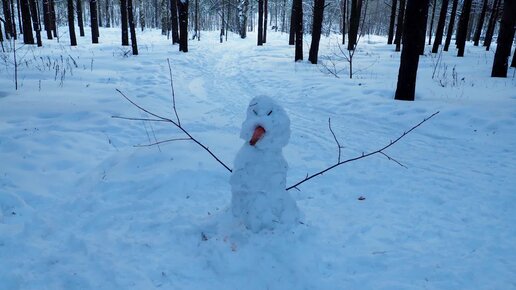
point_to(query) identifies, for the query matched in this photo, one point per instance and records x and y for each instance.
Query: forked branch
(364, 155)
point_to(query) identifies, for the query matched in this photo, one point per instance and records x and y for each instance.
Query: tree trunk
(8, 19)
(440, 27)
(71, 27)
(399, 25)
(431, 23)
(123, 19)
(391, 23)
(108, 18)
(182, 7)
(449, 32)
(293, 15)
(492, 23)
(173, 18)
(13, 16)
(265, 17)
(243, 5)
(132, 28)
(35, 21)
(79, 18)
(316, 30)
(142, 17)
(46, 18)
(260, 23)
(299, 30)
(99, 12)
(354, 21)
(505, 38)
(28, 37)
(480, 24)
(344, 6)
(513, 63)
(94, 22)
(463, 27)
(423, 24)
(406, 87)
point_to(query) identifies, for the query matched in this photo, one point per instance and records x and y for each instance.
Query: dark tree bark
(108, 18)
(423, 24)
(463, 27)
(20, 21)
(8, 19)
(316, 30)
(440, 26)
(265, 17)
(293, 14)
(412, 30)
(124, 22)
(1, 35)
(132, 28)
(46, 18)
(299, 30)
(71, 27)
(480, 24)
(432, 23)
(197, 29)
(505, 38)
(99, 13)
(391, 23)
(182, 7)
(260, 23)
(53, 22)
(492, 23)
(174, 24)
(80, 22)
(344, 18)
(94, 22)
(399, 25)
(14, 33)
(513, 63)
(449, 32)
(354, 21)
(243, 5)
(28, 37)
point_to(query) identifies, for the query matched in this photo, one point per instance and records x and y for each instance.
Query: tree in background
(432, 23)
(7, 17)
(505, 38)
(132, 28)
(412, 30)
(344, 18)
(480, 24)
(316, 30)
(440, 26)
(124, 22)
(94, 22)
(423, 22)
(71, 27)
(354, 22)
(79, 18)
(182, 8)
(449, 32)
(492, 23)
(173, 18)
(28, 37)
(260, 23)
(298, 25)
(243, 6)
(463, 27)
(390, 36)
(399, 25)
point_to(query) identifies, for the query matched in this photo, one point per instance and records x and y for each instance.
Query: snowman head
(267, 125)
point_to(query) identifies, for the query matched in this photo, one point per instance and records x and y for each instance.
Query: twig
(364, 155)
(163, 141)
(163, 119)
(173, 93)
(335, 138)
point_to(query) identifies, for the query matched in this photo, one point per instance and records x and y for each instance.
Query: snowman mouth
(259, 131)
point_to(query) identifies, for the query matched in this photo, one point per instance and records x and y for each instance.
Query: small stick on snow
(364, 155)
(163, 141)
(173, 93)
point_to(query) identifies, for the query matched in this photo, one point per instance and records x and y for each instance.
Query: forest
(257, 144)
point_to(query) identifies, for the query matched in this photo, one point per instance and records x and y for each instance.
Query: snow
(82, 208)
(258, 180)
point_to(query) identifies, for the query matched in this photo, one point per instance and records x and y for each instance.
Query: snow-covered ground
(82, 208)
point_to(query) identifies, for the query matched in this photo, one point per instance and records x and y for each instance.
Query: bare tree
(130, 15)
(399, 25)
(79, 17)
(449, 32)
(354, 22)
(28, 37)
(505, 39)
(243, 6)
(480, 23)
(391, 23)
(298, 24)
(71, 27)
(412, 30)
(124, 22)
(174, 24)
(492, 23)
(463, 27)
(94, 22)
(182, 7)
(316, 30)
(440, 26)
(35, 20)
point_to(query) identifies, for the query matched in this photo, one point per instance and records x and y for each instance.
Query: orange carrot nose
(257, 135)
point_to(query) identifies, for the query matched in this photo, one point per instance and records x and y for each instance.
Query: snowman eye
(254, 111)
(269, 113)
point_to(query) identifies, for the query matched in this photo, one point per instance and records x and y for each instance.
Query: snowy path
(81, 208)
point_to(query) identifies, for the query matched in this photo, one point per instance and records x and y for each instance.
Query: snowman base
(259, 211)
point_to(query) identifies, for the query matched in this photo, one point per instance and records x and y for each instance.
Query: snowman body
(259, 199)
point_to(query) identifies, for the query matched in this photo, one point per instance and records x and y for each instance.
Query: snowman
(259, 199)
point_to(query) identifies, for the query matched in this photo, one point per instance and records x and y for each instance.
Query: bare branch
(138, 119)
(364, 155)
(173, 93)
(392, 159)
(335, 138)
(163, 119)
(163, 141)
